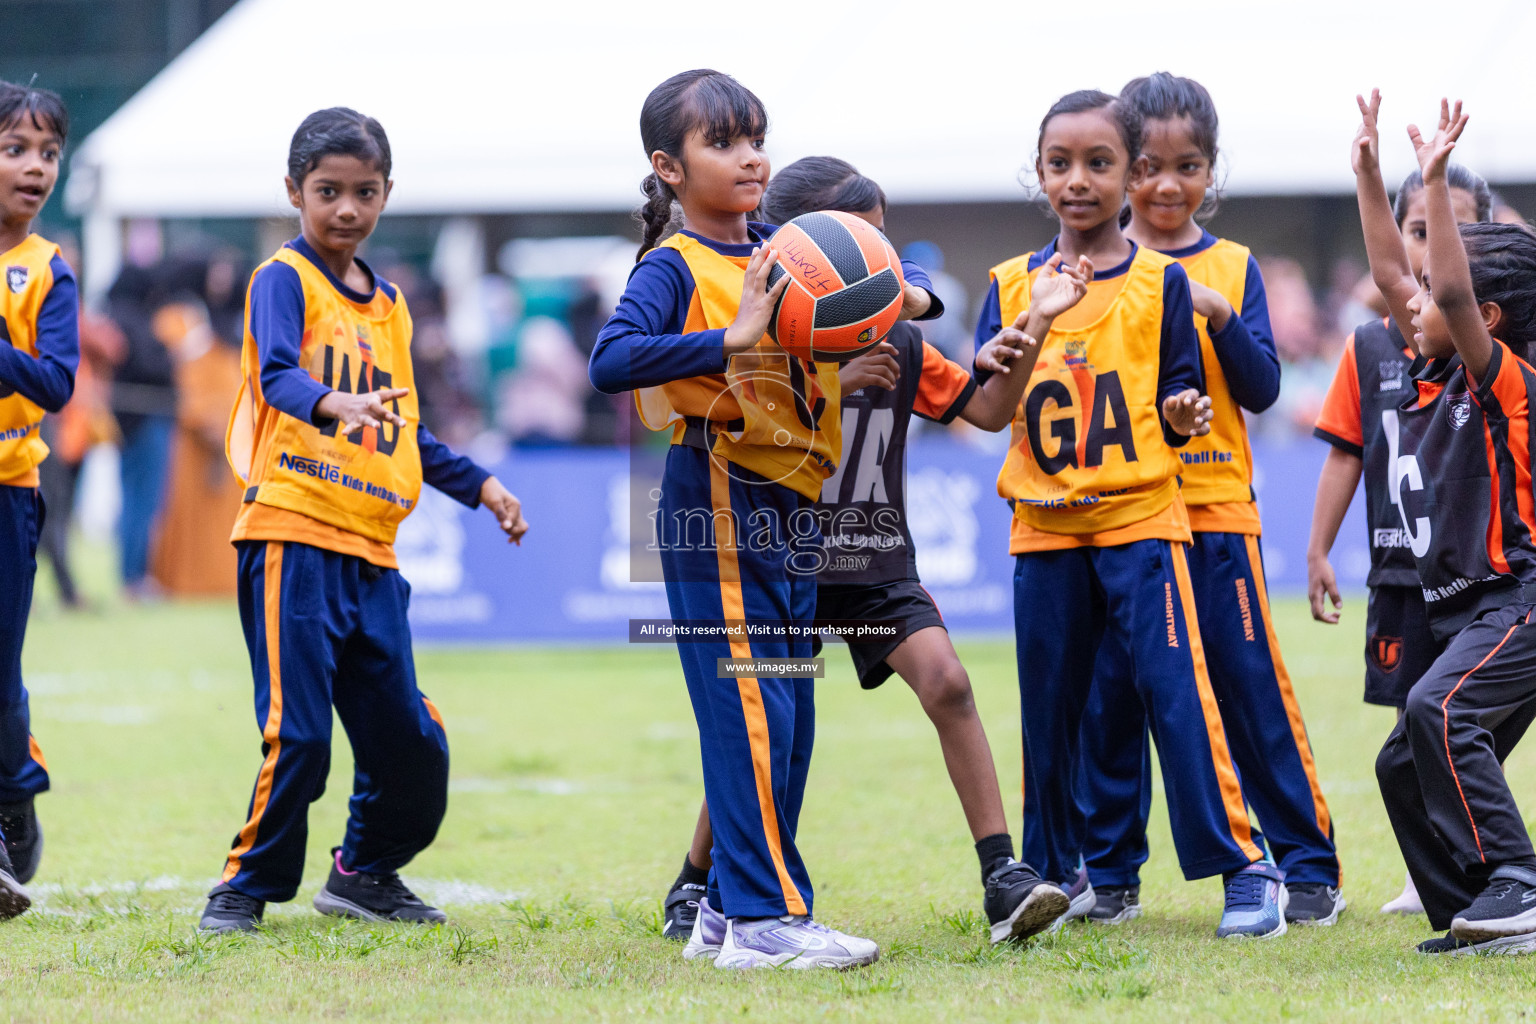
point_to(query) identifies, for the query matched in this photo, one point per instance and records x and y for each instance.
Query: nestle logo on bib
(16, 279)
(1458, 410)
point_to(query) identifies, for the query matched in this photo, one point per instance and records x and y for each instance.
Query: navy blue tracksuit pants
(1066, 605)
(329, 630)
(736, 547)
(1258, 708)
(23, 772)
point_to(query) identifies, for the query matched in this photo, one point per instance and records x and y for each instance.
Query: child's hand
(354, 412)
(1365, 157)
(757, 302)
(1188, 413)
(1435, 153)
(507, 509)
(1004, 348)
(1210, 304)
(1321, 589)
(876, 366)
(915, 301)
(1059, 287)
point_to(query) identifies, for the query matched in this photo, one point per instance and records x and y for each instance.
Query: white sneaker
(708, 933)
(1407, 902)
(792, 941)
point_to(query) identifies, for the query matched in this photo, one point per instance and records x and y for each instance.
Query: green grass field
(575, 785)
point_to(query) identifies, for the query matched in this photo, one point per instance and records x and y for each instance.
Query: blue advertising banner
(571, 578)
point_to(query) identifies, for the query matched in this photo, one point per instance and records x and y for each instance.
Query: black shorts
(906, 601)
(1399, 647)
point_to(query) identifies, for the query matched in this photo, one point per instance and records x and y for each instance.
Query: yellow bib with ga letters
(366, 483)
(1087, 453)
(1218, 467)
(28, 279)
(770, 412)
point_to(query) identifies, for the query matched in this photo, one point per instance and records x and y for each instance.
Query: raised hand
(875, 367)
(1059, 287)
(1433, 154)
(757, 302)
(369, 409)
(506, 508)
(1188, 413)
(1365, 157)
(1004, 348)
(915, 301)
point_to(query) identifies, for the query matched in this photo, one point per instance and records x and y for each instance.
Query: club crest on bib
(1458, 410)
(16, 279)
(1390, 375)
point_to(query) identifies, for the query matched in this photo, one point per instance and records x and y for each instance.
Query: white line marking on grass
(444, 892)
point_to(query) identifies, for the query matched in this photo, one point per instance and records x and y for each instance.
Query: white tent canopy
(497, 107)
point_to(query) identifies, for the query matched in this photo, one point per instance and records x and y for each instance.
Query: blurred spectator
(144, 399)
(950, 333)
(202, 326)
(540, 401)
(448, 407)
(85, 422)
(1307, 352)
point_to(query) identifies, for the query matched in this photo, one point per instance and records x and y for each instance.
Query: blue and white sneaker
(708, 932)
(1256, 902)
(791, 941)
(1080, 892)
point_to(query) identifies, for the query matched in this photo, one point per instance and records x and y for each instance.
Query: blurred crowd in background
(161, 367)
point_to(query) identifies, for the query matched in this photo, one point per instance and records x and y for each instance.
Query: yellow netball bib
(1087, 453)
(769, 412)
(28, 279)
(366, 483)
(1218, 467)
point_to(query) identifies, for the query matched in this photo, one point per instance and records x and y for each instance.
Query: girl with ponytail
(755, 432)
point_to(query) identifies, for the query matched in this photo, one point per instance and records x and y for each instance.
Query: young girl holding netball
(1099, 530)
(755, 432)
(326, 439)
(1258, 704)
(1359, 422)
(39, 353)
(862, 507)
(1463, 487)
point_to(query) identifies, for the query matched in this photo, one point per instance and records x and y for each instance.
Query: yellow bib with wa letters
(366, 483)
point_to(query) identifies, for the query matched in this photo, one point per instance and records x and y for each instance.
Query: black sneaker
(1115, 904)
(1019, 903)
(1506, 907)
(1313, 903)
(1509, 945)
(680, 910)
(23, 838)
(372, 897)
(230, 911)
(14, 900)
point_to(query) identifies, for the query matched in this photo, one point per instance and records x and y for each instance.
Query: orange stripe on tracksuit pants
(23, 772)
(728, 553)
(1139, 597)
(1446, 796)
(327, 630)
(1258, 709)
